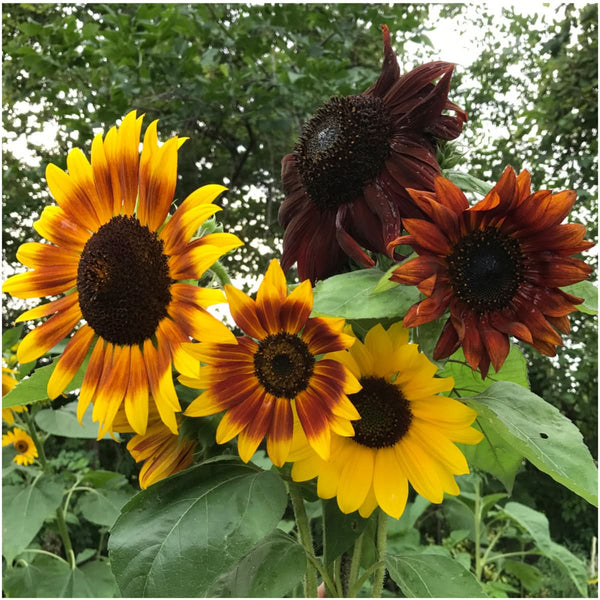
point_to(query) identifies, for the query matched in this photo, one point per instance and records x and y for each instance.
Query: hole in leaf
(544, 436)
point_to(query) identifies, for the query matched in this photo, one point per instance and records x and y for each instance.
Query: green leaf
(540, 433)
(24, 510)
(47, 577)
(63, 421)
(270, 570)
(10, 337)
(536, 524)
(467, 381)
(104, 507)
(589, 292)
(531, 577)
(432, 575)
(210, 516)
(351, 296)
(468, 183)
(34, 388)
(402, 535)
(493, 455)
(340, 530)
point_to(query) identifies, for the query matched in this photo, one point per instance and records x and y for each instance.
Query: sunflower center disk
(343, 147)
(384, 411)
(21, 446)
(486, 269)
(123, 281)
(283, 365)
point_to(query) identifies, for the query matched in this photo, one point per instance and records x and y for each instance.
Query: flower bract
(272, 373)
(406, 433)
(120, 268)
(345, 182)
(497, 266)
(23, 444)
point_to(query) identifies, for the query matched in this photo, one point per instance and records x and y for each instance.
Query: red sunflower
(273, 374)
(345, 182)
(497, 266)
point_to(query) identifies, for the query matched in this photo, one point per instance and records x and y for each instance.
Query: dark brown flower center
(486, 269)
(123, 281)
(343, 147)
(283, 365)
(385, 415)
(21, 446)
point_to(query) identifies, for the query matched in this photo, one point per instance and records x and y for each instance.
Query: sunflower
(163, 452)
(497, 266)
(119, 268)
(405, 434)
(273, 374)
(345, 181)
(8, 383)
(23, 444)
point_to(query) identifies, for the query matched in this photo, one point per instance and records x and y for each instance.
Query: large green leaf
(432, 575)
(47, 577)
(468, 382)
(104, 507)
(10, 337)
(589, 292)
(339, 530)
(350, 296)
(34, 388)
(270, 570)
(540, 433)
(536, 524)
(24, 510)
(63, 421)
(180, 535)
(494, 455)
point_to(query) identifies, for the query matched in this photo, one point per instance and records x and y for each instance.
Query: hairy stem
(310, 579)
(381, 545)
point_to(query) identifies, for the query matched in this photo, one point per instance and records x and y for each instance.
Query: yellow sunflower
(272, 374)
(405, 434)
(8, 383)
(163, 452)
(120, 268)
(23, 444)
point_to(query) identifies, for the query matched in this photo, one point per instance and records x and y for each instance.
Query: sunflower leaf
(10, 337)
(432, 575)
(210, 515)
(63, 421)
(270, 570)
(24, 510)
(351, 296)
(538, 431)
(589, 292)
(34, 388)
(536, 524)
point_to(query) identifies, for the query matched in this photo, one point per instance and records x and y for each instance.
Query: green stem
(60, 516)
(310, 580)
(326, 579)
(355, 567)
(477, 523)
(219, 270)
(492, 544)
(510, 554)
(337, 569)
(36, 551)
(381, 545)
(361, 580)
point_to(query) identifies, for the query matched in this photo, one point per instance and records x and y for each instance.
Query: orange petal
(279, 438)
(43, 310)
(34, 255)
(315, 422)
(270, 296)
(102, 180)
(91, 378)
(240, 416)
(57, 227)
(45, 281)
(250, 438)
(136, 399)
(296, 308)
(244, 312)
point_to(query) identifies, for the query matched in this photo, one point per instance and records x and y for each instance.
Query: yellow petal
(355, 479)
(389, 482)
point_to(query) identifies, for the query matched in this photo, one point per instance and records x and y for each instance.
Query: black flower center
(343, 147)
(21, 446)
(385, 414)
(283, 365)
(486, 269)
(123, 281)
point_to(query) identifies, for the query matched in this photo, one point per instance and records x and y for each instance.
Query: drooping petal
(389, 482)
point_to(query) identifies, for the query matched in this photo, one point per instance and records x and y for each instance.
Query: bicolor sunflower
(120, 266)
(407, 432)
(163, 452)
(497, 266)
(273, 372)
(345, 181)
(23, 444)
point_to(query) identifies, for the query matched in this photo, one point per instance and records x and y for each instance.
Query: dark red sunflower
(345, 182)
(497, 266)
